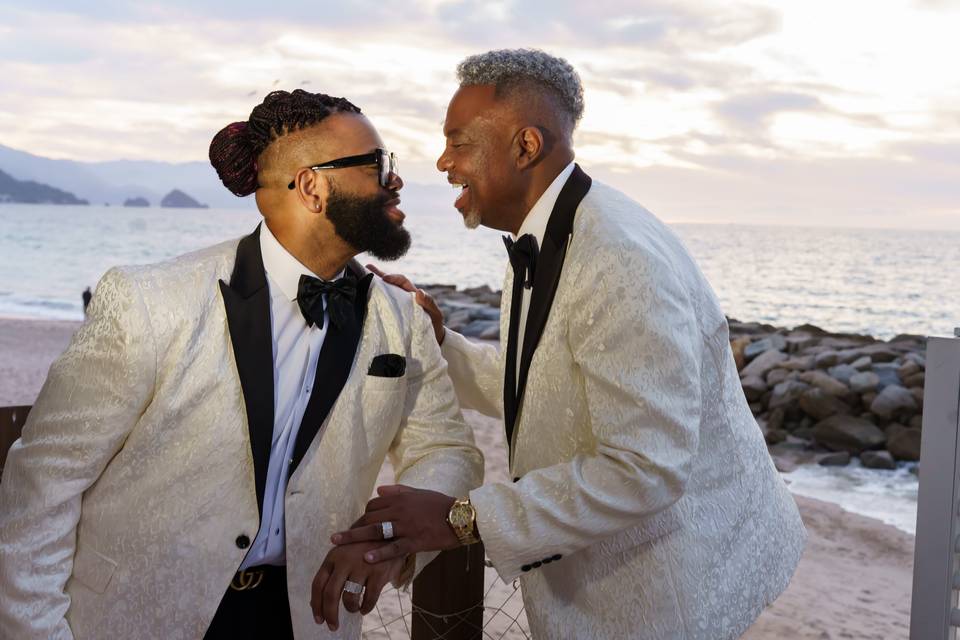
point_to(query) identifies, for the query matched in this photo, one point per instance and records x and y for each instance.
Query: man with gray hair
(644, 502)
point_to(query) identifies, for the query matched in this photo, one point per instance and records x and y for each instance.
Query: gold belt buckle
(245, 580)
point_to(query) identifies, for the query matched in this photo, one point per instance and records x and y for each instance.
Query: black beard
(364, 224)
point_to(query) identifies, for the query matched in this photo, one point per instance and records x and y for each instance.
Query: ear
(312, 190)
(529, 146)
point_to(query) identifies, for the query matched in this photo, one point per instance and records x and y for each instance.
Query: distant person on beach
(644, 502)
(221, 414)
(86, 299)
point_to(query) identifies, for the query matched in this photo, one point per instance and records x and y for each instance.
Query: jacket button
(525, 568)
(537, 564)
(243, 541)
(557, 557)
(548, 560)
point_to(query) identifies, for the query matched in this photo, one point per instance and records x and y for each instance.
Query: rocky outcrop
(30, 192)
(136, 202)
(838, 394)
(177, 199)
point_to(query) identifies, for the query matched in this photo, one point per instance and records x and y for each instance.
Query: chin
(472, 219)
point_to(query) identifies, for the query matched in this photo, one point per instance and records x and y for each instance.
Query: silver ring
(386, 528)
(352, 587)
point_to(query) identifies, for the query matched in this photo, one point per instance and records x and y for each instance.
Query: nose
(394, 181)
(443, 162)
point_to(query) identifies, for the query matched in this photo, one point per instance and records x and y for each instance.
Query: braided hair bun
(236, 147)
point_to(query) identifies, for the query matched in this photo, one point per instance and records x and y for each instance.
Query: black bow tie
(341, 295)
(523, 257)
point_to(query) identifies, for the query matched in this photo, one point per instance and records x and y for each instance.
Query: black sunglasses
(386, 164)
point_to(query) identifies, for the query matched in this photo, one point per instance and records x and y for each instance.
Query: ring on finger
(386, 528)
(352, 587)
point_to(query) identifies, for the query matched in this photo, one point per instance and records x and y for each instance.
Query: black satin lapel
(247, 303)
(549, 266)
(333, 368)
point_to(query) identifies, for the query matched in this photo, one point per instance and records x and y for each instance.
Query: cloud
(946, 153)
(722, 109)
(610, 23)
(756, 109)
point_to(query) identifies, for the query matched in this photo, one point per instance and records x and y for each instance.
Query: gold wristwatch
(463, 519)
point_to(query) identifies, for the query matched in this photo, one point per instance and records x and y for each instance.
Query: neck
(541, 178)
(325, 254)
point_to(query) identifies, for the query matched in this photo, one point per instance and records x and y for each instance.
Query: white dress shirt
(296, 349)
(536, 225)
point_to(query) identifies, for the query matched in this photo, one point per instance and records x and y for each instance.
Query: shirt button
(243, 541)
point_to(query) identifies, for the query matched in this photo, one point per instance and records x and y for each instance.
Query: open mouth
(463, 197)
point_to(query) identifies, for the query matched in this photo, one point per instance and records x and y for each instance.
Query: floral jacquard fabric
(122, 504)
(647, 505)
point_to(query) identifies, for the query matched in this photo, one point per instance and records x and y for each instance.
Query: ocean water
(888, 496)
(869, 281)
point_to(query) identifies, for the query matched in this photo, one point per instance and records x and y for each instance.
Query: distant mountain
(136, 202)
(29, 191)
(177, 199)
(115, 181)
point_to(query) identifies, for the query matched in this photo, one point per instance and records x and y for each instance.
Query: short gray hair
(510, 68)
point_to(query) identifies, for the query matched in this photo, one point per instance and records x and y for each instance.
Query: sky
(796, 112)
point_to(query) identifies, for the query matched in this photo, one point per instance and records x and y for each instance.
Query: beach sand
(854, 580)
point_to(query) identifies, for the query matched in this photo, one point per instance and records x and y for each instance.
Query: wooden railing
(447, 595)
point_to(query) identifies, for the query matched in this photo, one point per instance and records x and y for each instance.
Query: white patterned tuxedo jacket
(645, 504)
(128, 504)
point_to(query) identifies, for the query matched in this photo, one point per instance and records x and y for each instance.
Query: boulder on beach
(798, 363)
(825, 383)
(878, 460)
(775, 342)
(843, 372)
(787, 393)
(820, 405)
(864, 381)
(737, 346)
(763, 363)
(848, 433)
(834, 459)
(778, 375)
(905, 444)
(893, 400)
(916, 380)
(753, 388)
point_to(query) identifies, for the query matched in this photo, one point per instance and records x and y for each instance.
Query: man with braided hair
(221, 414)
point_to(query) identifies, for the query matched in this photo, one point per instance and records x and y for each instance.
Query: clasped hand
(419, 519)
(361, 555)
(345, 563)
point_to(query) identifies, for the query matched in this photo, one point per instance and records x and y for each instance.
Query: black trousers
(254, 613)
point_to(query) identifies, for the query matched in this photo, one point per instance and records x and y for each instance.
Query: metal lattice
(503, 615)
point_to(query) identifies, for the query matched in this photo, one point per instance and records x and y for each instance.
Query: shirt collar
(284, 270)
(537, 218)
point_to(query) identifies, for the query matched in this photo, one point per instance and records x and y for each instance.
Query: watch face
(460, 517)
